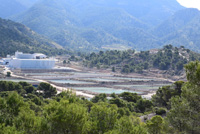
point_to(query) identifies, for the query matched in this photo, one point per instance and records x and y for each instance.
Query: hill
(112, 23)
(181, 29)
(167, 61)
(10, 8)
(27, 3)
(15, 36)
(92, 25)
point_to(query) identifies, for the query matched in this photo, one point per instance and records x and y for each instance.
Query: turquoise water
(132, 79)
(18, 80)
(141, 87)
(117, 79)
(127, 86)
(71, 82)
(103, 90)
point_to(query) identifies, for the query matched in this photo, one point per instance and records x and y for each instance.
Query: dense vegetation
(93, 24)
(25, 109)
(15, 36)
(169, 58)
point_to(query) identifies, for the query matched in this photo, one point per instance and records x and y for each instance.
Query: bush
(161, 111)
(8, 74)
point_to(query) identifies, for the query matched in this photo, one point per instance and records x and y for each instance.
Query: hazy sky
(190, 3)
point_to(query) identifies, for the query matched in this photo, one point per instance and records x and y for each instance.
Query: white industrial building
(29, 61)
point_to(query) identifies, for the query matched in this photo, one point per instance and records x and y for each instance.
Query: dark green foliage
(130, 97)
(15, 36)
(119, 102)
(99, 98)
(64, 62)
(47, 90)
(10, 107)
(126, 69)
(132, 101)
(113, 69)
(107, 58)
(65, 118)
(143, 105)
(128, 125)
(11, 86)
(66, 113)
(8, 74)
(169, 58)
(30, 89)
(193, 72)
(155, 125)
(68, 95)
(103, 117)
(123, 112)
(160, 111)
(165, 93)
(34, 98)
(184, 113)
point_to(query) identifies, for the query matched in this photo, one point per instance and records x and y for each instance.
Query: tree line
(168, 58)
(27, 109)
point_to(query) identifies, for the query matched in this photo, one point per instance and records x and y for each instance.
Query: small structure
(29, 61)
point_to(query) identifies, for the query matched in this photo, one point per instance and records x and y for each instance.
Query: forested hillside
(26, 109)
(169, 58)
(15, 36)
(94, 25)
(181, 29)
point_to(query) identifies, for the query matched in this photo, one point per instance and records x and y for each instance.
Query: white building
(29, 61)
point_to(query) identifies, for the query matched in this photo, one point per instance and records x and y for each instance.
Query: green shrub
(161, 111)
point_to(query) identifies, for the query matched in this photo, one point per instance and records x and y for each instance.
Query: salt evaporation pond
(70, 82)
(102, 79)
(141, 87)
(18, 80)
(132, 79)
(104, 90)
(88, 75)
(43, 74)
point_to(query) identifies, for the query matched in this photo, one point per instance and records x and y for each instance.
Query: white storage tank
(31, 61)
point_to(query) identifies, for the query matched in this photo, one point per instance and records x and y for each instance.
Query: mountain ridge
(15, 36)
(73, 23)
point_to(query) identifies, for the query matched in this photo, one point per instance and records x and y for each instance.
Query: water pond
(89, 74)
(140, 87)
(103, 90)
(102, 79)
(71, 82)
(42, 74)
(132, 79)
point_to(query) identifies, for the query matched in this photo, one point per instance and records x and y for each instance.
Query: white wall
(32, 63)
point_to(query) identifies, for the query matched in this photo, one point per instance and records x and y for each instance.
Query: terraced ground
(97, 82)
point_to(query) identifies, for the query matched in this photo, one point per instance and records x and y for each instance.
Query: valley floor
(89, 82)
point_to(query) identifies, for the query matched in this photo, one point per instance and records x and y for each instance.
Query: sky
(190, 3)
